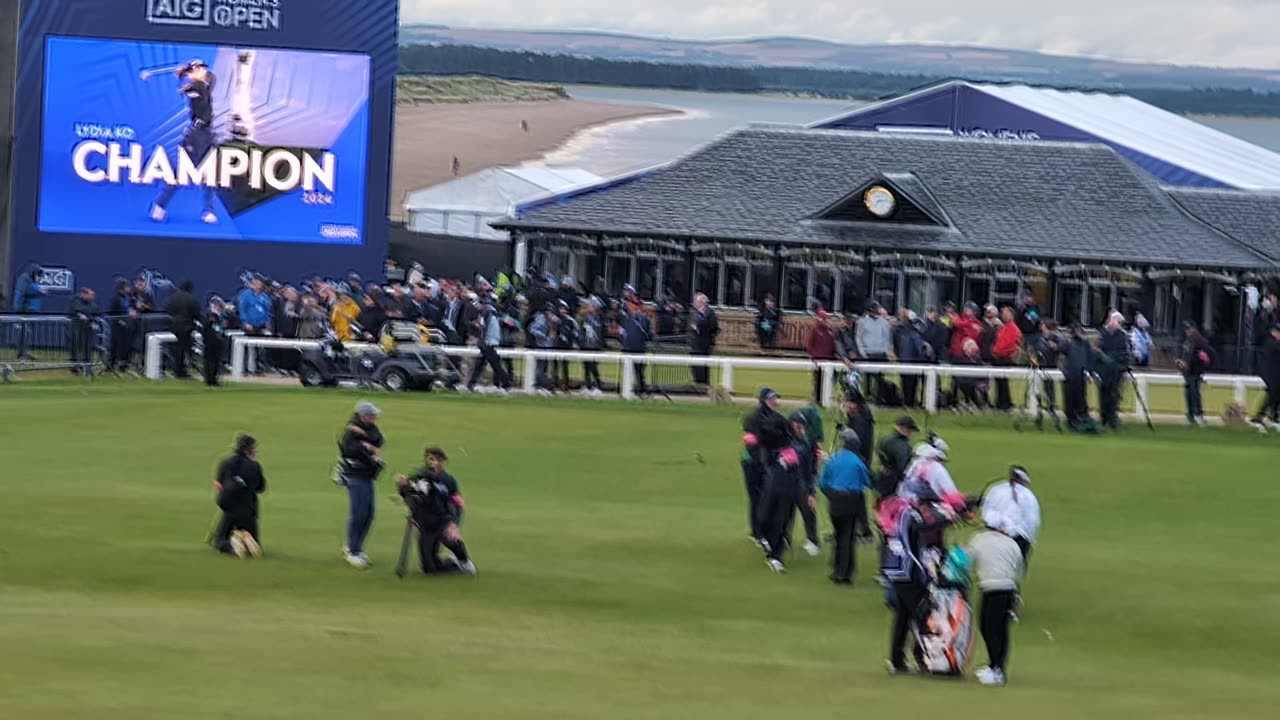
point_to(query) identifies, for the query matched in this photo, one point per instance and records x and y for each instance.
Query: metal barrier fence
(45, 342)
(629, 366)
(53, 342)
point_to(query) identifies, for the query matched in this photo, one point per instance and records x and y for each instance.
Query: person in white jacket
(927, 475)
(1014, 501)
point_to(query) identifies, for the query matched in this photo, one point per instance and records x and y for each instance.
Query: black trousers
(909, 607)
(121, 343)
(845, 510)
(701, 373)
(753, 478)
(489, 356)
(182, 354)
(1025, 546)
(230, 522)
(996, 606)
(1004, 398)
(817, 385)
(641, 387)
(911, 390)
(777, 506)
(81, 340)
(807, 515)
(1109, 400)
(591, 374)
(1075, 404)
(560, 374)
(1049, 396)
(1195, 404)
(430, 539)
(212, 360)
(1270, 407)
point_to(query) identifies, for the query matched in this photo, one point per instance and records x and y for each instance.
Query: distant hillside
(422, 89)
(933, 60)
(442, 59)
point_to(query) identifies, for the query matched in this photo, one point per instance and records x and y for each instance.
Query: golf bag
(945, 632)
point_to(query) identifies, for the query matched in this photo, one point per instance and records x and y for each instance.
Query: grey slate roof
(1045, 200)
(1252, 218)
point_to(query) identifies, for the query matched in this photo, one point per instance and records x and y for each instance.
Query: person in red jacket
(965, 327)
(821, 346)
(1005, 353)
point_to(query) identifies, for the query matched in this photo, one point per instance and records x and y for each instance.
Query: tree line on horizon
(451, 59)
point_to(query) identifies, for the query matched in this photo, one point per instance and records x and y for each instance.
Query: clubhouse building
(959, 192)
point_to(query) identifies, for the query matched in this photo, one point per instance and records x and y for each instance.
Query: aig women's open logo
(244, 14)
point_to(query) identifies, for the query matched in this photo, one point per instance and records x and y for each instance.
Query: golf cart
(404, 359)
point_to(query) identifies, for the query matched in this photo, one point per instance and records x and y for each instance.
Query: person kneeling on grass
(436, 507)
(997, 561)
(239, 483)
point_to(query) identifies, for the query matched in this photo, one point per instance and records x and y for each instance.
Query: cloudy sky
(1202, 32)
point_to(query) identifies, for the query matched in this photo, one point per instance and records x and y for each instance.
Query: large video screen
(202, 141)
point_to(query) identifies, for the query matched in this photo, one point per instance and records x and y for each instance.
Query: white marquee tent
(464, 207)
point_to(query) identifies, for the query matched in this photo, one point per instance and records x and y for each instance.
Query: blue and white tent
(1176, 150)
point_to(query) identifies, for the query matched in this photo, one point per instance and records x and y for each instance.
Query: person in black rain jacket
(765, 433)
(183, 310)
(359, 465)
(239, 483)
(436, 506)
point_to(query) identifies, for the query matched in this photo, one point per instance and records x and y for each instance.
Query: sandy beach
(488, 134)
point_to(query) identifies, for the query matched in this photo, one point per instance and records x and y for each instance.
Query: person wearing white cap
(998, 565)
(359, 464)
(927, 477)
(1014, 501)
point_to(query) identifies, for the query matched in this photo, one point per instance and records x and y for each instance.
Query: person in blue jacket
(845, 480)
(542, 330)
(636, 332)
(255, 309)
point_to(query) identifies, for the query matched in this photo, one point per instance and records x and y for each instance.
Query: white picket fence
(242, 365)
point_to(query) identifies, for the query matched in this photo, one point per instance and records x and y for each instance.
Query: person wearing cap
(1194, 358)
(814, 434)
(911, 349)
(999, 567)
(1014, 501)
(359, 465)
(894, 454)
(764, 434)
(591, 338)
(238, 484)
(1113, 364)
(1140, 343)
(635, 332)
(1268, 416)
(542, 333)
(566, 339)
(875, 339)
(821, 346)
(490, 340)
(1078, 361)
(197, 139)
(844, 481)
(783, 485)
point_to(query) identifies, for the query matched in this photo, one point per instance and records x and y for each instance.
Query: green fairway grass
(616, 577)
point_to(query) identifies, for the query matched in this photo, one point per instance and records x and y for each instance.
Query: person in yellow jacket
(344, 314)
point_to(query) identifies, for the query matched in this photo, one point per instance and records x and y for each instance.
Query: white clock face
(880, 201)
